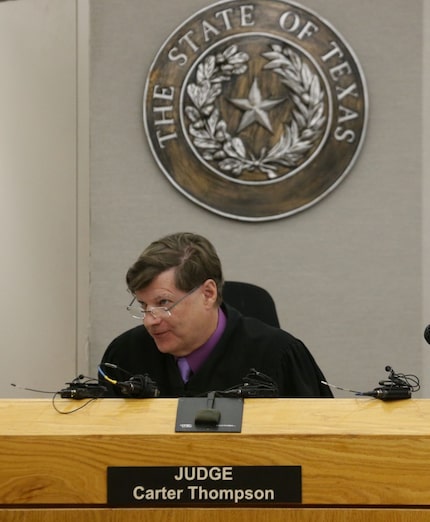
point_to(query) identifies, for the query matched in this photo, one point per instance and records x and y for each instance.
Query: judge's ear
(210, 291)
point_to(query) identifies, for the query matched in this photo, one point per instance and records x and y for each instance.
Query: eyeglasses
(157, 312)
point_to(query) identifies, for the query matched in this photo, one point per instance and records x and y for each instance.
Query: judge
(189, 341)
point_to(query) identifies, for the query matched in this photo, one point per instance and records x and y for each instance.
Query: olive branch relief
(210, 133)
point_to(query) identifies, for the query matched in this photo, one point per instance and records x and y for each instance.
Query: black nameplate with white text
(204, 486)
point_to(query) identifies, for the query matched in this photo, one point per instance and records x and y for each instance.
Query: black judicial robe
(246, 344)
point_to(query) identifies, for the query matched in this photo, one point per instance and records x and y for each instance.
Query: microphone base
(194, 415)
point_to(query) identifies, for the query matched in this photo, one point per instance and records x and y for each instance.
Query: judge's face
(192, 317)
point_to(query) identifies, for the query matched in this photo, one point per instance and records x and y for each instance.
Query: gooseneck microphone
(427, 333)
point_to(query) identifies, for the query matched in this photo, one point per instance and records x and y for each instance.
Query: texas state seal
(255, 111)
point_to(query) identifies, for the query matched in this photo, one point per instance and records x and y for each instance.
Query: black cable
(400, 379)
(254, 385)
(70, 411)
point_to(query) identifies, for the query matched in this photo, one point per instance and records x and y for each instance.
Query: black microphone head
(427, 333)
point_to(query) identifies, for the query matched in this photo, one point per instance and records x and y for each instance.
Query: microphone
(398, 386)
(81, 391)
(139, 386)
(387, 394)
(208, 416)
(427, 333)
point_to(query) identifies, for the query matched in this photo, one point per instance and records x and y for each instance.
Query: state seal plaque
(255, 111)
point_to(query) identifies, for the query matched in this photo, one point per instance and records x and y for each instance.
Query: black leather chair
(251, 300)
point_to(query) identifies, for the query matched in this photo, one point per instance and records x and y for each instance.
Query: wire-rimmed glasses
(157, 312)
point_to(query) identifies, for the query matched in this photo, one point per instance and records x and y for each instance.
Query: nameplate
(204, 486)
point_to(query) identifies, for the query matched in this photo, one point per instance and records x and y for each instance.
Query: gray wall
(351, 276)
(44, 206)
(346, 274)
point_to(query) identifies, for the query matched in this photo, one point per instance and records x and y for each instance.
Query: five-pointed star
(255, 108)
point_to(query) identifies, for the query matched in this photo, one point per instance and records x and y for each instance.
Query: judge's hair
(193, 256)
